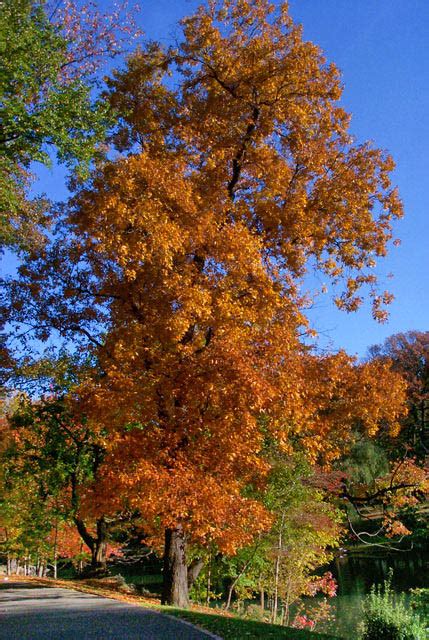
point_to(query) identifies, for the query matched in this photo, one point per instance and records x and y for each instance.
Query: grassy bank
(231, 628)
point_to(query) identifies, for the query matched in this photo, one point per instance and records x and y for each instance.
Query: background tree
(409, 354)
(50, 52)
(306, 531)
(387, 478)
(279, 566)
(53, 450)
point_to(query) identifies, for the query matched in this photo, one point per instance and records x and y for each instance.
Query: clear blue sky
(382, 49)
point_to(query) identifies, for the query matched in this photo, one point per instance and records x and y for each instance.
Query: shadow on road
(6, 584)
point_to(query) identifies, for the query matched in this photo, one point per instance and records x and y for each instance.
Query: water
(357, 572)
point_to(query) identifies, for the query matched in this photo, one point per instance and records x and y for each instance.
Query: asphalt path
(31, 612)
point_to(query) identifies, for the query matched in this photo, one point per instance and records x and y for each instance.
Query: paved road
(28, 612)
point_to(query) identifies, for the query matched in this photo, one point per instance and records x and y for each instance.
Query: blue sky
(381, 47)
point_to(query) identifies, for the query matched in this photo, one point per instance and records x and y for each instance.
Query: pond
(357, 571)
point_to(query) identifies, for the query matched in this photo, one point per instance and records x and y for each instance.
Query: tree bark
(175, 572)
(194, 570)
(56, 550)
(209, 582)
(277, 572)
(99, 549)
(97, 545)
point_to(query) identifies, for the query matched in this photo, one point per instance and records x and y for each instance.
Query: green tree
(55, 452)
(49, 56)
(280, 564)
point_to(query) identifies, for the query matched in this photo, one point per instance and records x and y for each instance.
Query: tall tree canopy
(179, 265)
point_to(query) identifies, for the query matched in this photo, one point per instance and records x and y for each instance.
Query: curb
(209, 634)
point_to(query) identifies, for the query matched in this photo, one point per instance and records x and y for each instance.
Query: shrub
(420, 602)
(387, 617)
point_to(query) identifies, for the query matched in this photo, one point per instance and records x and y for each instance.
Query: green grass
(239, 629)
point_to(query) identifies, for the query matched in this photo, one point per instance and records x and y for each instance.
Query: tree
(281, 562)
(50, 53)
(178, 265)
(387, 478)
(53, 451)
(409, 354)
(307, 528)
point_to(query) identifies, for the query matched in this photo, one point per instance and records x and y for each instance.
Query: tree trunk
(230, 592)
(209, 582)
(237, 578)
(80, 565)
(194, 570)
(56, 550)
(97, 545)
(99, 549)
(13, 566)
(277, 572)
(175, 572)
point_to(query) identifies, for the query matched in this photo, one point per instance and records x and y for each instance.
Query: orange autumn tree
(180, 266)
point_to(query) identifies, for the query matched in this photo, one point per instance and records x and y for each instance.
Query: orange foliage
(235, 184)
(68, 543)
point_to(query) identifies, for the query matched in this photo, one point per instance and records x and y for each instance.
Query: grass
(230, 628)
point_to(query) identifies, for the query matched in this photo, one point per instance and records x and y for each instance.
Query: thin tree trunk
(175, 572)
(277, 571)
(209, 579)
(232, 586)
(286, 603)
(13, 566)
(80, 565)
(242, 572)
(230, 592)
(56, 550)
